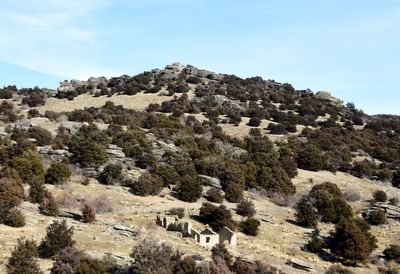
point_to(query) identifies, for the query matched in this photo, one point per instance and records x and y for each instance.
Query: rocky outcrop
(126, 230)
(73, 84)
(392, 211)
(53, 154)
(324, 95)
(212, 181)
(115, 151)
(296, 263)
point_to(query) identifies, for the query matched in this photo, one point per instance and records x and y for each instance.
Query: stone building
(228, 236)
(206, 237)
(165, 221)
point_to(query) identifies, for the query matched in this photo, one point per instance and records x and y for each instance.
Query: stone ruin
(206, 237)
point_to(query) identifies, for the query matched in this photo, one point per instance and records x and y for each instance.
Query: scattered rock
(69, 214)
(296, 263)
(212, 181)
(123, 228)
(392, 211)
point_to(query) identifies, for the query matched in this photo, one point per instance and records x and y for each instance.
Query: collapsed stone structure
(206, 237)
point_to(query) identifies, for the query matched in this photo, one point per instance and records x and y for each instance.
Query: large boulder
(212, 181)
(324, 95)
(115, 151)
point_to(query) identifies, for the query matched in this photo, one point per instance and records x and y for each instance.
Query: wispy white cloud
(53, 37)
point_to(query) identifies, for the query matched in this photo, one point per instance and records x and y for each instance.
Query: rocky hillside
(303, 181)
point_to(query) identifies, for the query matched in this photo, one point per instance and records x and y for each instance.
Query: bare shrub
(351, 195)
(101, 203)
(88, 214)
(257, 194)
(67, 199)
(151, 257)
(281, 199)
(338, 269)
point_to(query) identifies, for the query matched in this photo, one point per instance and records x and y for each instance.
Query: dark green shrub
(168, 174)
(275, 179)
(306, 215)
(48, 206)
(14, 218)
(310, 158)
(220, 251)
(215, 195)
(380, 196)
(178, 227)
(329, 202)
(316, 243)
(42, 136)
(58, 236)
(111, 174)
(33, 113)
(90, 266)
(88, 214)
(34, 99)
(185, 266)
(11, 195)
(254, 122)
(392, 252)
(29, 166)
(190, 189)
(6, 93)
(352, 240)
(178, 211)
(23, 258)
(277, 129)
(36, 190)
(376, 217)
(80, 115)
(216, 217)
(287, 161)
(338, 269)
(394, 201)
(385, 174)
(242, 267)
(147, 184)
(11, 173)
(246, 208)
(233, 192)
(250, 226)
(58, 173)
(363, 169)
(88, 146)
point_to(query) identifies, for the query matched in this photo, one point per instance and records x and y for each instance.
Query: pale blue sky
(350, 48)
